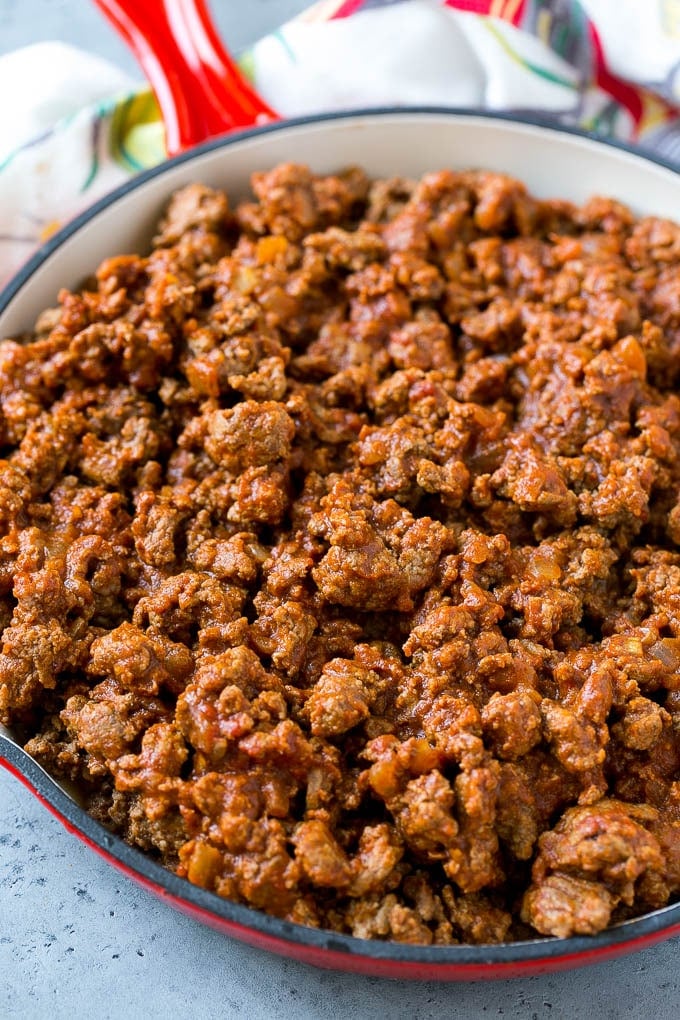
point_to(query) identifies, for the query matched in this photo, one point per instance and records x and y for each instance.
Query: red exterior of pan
(329, 949)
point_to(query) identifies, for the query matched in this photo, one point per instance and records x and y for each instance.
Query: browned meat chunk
(340, 552)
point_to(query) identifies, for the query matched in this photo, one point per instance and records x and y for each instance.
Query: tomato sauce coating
(340, 553)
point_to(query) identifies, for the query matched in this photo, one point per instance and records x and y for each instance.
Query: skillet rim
(330, 948)
(23, 275)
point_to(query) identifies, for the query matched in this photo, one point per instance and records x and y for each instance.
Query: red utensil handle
(199, 88)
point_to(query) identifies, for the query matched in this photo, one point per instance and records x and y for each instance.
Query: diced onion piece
(269, 247)
(623, 644)
(632, 355)
(545, 568)
(204, 865)
(667, 650)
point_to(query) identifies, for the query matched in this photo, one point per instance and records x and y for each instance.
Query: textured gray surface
(78, 940)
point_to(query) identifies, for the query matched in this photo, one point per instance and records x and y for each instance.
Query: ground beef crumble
(340, 553)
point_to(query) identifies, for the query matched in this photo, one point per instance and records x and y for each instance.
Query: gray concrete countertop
(79, 940)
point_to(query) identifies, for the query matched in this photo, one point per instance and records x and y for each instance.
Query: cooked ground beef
(340, 557)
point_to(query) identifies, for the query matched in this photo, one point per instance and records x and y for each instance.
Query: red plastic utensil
(199, 88)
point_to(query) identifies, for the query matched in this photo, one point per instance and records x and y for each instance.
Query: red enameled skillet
(202, 96)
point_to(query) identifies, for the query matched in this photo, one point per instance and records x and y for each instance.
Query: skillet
(552, 162)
